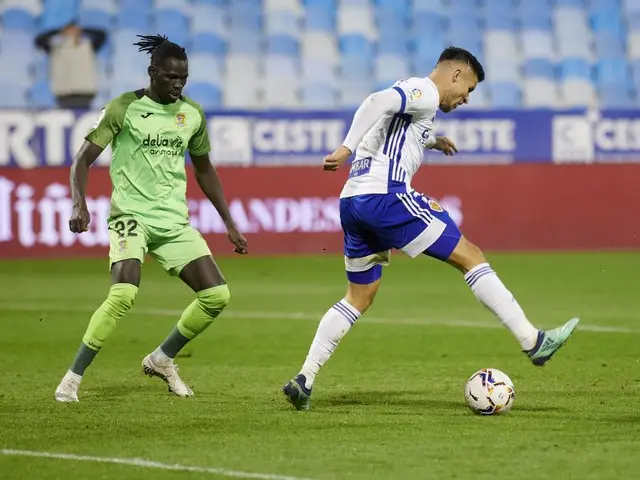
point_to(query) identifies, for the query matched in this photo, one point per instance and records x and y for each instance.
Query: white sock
(334, 325)
(160, 358)
(492, 293)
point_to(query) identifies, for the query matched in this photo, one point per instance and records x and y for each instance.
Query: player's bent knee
(466, 256)
(121, 297)
(361, 296)
(214, 300)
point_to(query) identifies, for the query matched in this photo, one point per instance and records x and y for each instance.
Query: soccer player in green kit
(150, 131)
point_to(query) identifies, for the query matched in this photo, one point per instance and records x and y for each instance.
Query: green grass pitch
(389, 404)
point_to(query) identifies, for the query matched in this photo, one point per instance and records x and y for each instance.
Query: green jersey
(149, 142)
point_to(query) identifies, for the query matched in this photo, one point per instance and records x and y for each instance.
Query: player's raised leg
(125, 277)
(539, 345)
(203, 276)
(452, 247)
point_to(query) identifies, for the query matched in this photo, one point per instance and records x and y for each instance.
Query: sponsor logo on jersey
(161, 145)
(415, 94)
(122, 246)
(360, 166)
(181, 120)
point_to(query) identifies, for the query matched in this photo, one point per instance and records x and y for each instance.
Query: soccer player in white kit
(379, 211)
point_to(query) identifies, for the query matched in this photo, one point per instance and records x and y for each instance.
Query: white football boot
(67, 391)
(169, 373)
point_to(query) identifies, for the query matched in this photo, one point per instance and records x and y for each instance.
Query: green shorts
(129, 238)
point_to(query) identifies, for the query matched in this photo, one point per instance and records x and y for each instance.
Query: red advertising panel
(295, 209)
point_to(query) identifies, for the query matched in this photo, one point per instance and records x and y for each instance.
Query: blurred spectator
(73, 71)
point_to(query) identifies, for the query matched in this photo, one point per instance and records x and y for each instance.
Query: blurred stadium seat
(550, 44)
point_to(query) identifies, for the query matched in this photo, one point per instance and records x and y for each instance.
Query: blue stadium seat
(534, 16)
(136, 4)
(466, 27)
(595, 5)
(218, 3)
(135, 19)
(619, 98)
(108, 6)
(40, 66)
(356, 46)
(460, 8)
(607, 21)
(501, 22)
(612, 72)
(209, 18)
(205, 42)
(396, 44)
(505, 95)
(635, 71)
(402, 6)
(245, 41)
(329, 5)
(320, 19)
(633, 21)
(570, 3)
(319, 95)
(173, 24)
(437, 6)
(427, 24)
(356, 69)
(12, 95)
(575, 68)
(57, 13)
(18, 19)
(607, 45)
(41, 96)
(282, 45)
(244, 16)
(427, 50)
(539, 68)
(205, 67)
(536, 23)
(95, 19)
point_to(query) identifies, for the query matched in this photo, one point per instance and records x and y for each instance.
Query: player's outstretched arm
(88, 153)
(375, 106)
(211, 186)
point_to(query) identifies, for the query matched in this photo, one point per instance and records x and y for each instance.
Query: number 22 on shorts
(126, 228)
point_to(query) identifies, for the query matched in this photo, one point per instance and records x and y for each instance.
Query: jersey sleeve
(109, 122)
(417, 96)
(199, 142)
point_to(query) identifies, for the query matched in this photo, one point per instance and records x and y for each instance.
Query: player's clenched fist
(238, 240)
(335, 160)
(80, 218)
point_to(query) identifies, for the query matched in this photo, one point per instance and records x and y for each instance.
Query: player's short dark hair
(160, 48)
(462, 55)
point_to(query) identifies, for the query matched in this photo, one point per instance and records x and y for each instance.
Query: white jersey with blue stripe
(391, 152)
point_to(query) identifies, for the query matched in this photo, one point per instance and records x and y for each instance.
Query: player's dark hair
(462, 55)
(159, 47)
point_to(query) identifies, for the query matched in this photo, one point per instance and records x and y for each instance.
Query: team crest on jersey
(181, 120)
(415, 94)
(122, 245)
(435, 206)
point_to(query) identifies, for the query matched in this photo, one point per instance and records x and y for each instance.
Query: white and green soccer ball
(489, 392)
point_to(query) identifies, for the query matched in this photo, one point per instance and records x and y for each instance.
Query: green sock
(83, 359)
(205, 308)
(105, 319)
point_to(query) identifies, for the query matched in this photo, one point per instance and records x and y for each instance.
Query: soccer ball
(489, 392)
